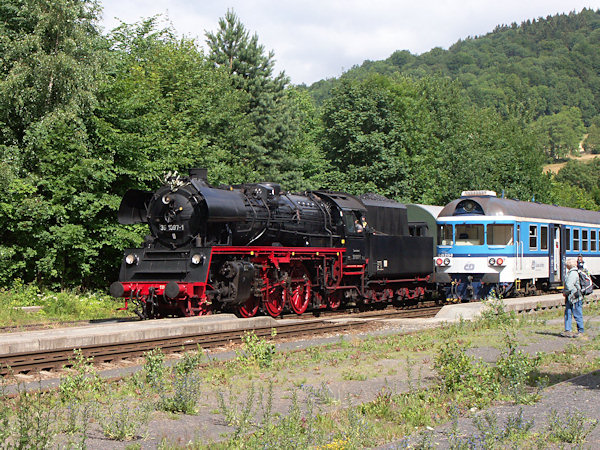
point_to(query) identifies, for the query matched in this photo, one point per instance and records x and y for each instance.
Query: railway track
(57, 359)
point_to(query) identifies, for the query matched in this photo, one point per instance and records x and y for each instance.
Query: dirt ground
(340, 386)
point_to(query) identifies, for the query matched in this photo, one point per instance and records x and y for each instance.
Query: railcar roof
(493, 206)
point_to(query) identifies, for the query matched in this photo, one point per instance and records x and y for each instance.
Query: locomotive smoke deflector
(133, 207)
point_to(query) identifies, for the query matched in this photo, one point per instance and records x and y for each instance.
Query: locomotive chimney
(199, 174)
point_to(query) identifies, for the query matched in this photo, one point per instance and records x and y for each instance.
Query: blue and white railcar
(513, 247)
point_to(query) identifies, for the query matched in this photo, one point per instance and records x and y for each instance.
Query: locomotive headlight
(491, 261)
(197, 259)
(446, 261)
(131, 259)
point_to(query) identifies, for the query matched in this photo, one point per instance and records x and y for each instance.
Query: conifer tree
(251, 69)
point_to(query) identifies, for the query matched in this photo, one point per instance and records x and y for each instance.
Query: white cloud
(315, 39)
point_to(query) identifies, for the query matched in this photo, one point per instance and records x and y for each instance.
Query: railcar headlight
(131, 259)
(446, 261)
(492, 261)
(499, 261)
(439, 261)
(197, 259)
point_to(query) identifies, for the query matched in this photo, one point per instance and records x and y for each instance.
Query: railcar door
(518, 253)
(556, 254)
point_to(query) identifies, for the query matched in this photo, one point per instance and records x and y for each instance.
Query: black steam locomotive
(252, 247)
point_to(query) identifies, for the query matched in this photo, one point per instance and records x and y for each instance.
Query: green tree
(561, 133)
(52, 59)
(276, 125)
(592, 141)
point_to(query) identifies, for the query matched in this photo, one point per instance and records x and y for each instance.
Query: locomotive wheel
(250, 308)
(300, 289)
(274, 300)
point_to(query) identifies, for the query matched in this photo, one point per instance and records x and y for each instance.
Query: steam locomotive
(252, 248)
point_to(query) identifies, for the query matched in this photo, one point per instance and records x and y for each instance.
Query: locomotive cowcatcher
(252, 248)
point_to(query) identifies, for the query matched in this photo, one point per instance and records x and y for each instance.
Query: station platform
(127, 332)
(124, 332)
(471, 311)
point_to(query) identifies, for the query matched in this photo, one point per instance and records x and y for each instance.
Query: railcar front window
(469, 234)
(500, 234)
(445, 235)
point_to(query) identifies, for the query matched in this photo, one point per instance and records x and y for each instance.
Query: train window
(568, 238)
(533, 237)
(349, 222)
(593, 240)
(445, 235)
(584, 240)
(417, 229)
(469, 234)
(500, 234)
(544, 237)
(575, 239)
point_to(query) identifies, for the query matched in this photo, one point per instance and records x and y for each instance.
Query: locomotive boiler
(253, 248)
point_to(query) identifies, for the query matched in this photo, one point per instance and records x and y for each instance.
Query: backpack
(587, 287)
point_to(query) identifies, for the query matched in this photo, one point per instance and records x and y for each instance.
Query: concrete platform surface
(114, 333)
(470, 311)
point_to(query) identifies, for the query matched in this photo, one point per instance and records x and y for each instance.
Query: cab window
(469, 234)
(500, 234)
(445, 235)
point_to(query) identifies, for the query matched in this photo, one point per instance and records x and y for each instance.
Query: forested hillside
(546, 69)
(85, 116)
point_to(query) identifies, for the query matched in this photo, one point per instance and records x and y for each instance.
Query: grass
(66, 305)
(300, 399)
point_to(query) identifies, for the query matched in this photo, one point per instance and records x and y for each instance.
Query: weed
(35, 419)
(494, 314)
(573, 428)
(190, 362)
(123, 421)
(185, 394)
(514, 368)
(83, 383)
(458, 372)
(382, 407)
(351, 374)
(256, 350)
(154, 367)
(238, 418)
(78, 417)
(322, 394)
(5, 426)
(517, 428)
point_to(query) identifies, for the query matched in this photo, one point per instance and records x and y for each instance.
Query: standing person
(580, 263)
(573, 301)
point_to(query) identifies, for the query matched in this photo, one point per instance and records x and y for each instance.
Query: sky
(319, 39)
